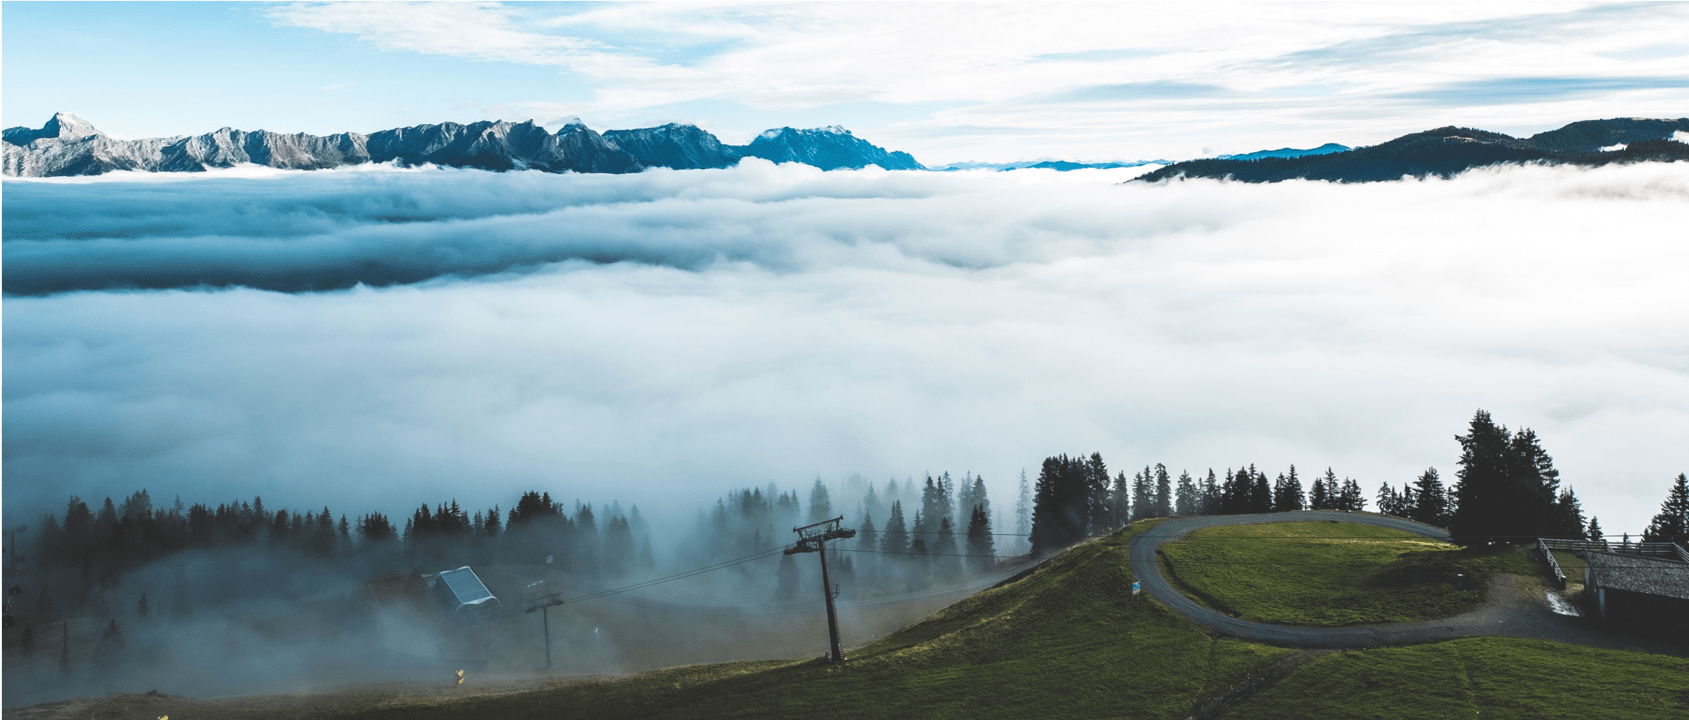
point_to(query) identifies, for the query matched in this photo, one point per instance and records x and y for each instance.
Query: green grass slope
(1479, 678)
(1067, 640)
(1328, 574)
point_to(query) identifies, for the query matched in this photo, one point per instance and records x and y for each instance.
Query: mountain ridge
(1448, 151)
(68, 146)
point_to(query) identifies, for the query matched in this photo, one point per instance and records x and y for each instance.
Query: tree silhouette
(1672, 522)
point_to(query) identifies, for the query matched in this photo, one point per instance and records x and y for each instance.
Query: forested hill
(1448, 151)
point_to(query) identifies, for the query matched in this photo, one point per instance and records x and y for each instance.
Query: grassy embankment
(1067, 641)
(1328, 574)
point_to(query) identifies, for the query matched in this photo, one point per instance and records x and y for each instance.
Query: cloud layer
(657, 338)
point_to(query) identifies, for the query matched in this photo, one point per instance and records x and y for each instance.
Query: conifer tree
(982, 552)
(1320, 497)
(1672, 523)
(820, 503)
(1187, 499)
(1210, 494)
(1260, 492)
(895, 540)
(1023, 513)
(1595, 534)
(1163, 492)
(1143, 495)
(1430, 500)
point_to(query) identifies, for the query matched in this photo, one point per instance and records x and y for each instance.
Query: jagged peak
(66, 126)
(828, 130)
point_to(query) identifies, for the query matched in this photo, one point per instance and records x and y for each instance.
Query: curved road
(1517, 606)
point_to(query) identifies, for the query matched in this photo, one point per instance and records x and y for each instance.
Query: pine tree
(1320, 497)
(1568, 517)
(1260, 493)
(1143, 495)
(820, 503)
(1189, 500)
(943, 550)
(1120, 500)
(1595, 534)
(1023, 513)
(1059, 505)
(1096, 507)
(1672, 523)
(1287, 492)
(1430, 504)
(982, 552)
(1507, 486)
(1163, 492)
(895, 540)
(143, 610)
(1210, 494)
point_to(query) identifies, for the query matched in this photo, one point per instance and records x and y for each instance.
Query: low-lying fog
(665, 337)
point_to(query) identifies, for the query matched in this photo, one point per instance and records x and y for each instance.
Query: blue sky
(947, 82)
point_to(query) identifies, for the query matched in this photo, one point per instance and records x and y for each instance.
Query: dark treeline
(1507, 491)
(1075, 497)
(90, 548)
(910, 536)
(78, 562)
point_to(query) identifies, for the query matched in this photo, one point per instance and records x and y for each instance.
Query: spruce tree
(1023, 513)
(1163, 492)
(820, 503)
(1188, 498)
(1672, 523)
(1568, 517)
(1120, 502)
(1260, 493)
(1096, 507)
(1143, 495)
(982, 552)
(1210, 495)
(1595, 534)
(1430, 500)
(895, 540)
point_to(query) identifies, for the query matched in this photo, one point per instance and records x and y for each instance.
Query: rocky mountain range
(1448, 151)
(68, 145)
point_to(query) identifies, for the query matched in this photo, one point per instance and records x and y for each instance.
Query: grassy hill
(1324, 574)
(1067, 640)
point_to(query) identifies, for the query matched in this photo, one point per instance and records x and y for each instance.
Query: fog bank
(661, 337)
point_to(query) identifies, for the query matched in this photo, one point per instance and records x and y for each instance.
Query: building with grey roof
(1637, 587)
(465, 595)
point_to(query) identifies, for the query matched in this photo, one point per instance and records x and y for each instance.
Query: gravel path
(1517, 606)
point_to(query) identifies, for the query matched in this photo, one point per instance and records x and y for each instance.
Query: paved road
(1517, 606)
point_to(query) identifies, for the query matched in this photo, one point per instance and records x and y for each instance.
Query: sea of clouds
(377, 338)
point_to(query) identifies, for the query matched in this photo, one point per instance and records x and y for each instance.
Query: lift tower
(813, 538)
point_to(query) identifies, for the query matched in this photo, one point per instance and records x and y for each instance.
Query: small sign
(1137, 588)
(548, 559)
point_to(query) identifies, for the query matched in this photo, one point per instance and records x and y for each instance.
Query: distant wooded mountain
(68, 145)
(1448, 151)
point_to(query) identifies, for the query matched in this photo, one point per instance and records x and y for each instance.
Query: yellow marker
(459, 681)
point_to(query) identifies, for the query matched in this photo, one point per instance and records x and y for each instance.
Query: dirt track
(1517, 606)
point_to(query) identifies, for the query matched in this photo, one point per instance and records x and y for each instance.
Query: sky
(662, 337)
(947, 82)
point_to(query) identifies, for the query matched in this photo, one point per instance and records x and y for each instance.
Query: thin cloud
(1504, 91)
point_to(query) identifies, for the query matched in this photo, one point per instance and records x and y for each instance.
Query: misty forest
(162, 593)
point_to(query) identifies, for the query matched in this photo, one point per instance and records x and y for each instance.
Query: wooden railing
(1548, 555)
